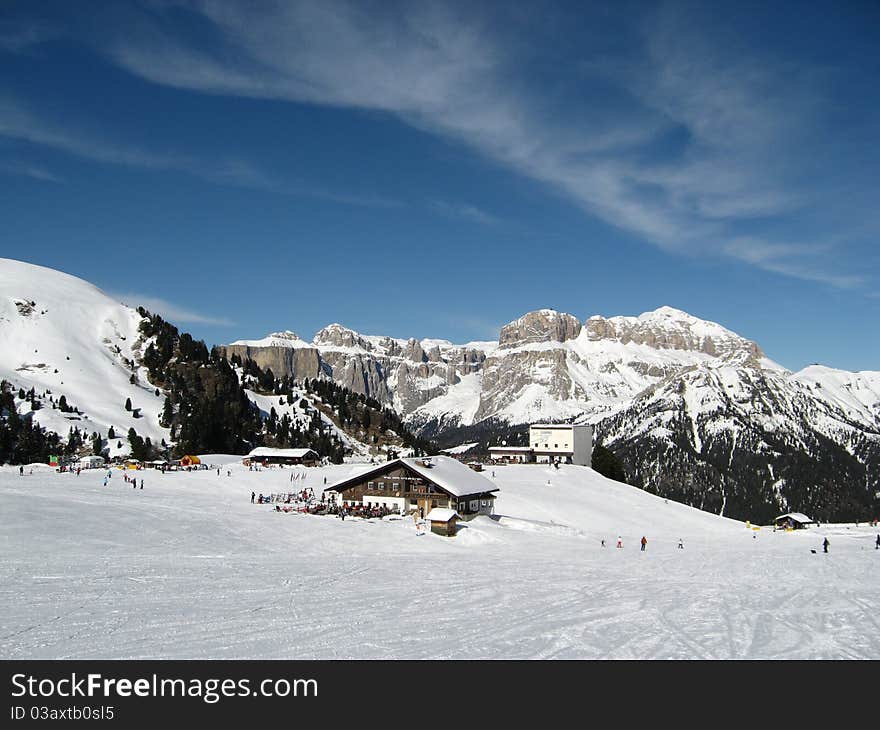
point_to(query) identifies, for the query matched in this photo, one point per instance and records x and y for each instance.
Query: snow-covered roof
(442, 514)
(91, 457)
(451, 475)
(796, 516)
(292, 453)
(510, 448)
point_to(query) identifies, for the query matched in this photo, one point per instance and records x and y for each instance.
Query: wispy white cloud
(169, 310)
(466, 211)
(21, 37)
(794, 260)
(18, 122)
(25, 169)
(452, 74)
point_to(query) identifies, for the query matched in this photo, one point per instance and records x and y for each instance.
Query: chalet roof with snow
(449, 474)
(265, 451)
(796, 517)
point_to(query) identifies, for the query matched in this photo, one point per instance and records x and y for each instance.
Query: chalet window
(370, 485)
(395, 485)
(484, 503)
(475, 505)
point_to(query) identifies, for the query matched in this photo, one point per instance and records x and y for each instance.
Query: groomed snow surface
(189, 568)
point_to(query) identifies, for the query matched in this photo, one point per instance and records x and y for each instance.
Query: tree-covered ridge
(207, 408)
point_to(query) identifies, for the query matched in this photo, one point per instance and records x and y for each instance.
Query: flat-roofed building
(564, 443)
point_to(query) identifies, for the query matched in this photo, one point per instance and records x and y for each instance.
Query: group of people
(643, 542)
(133, 481)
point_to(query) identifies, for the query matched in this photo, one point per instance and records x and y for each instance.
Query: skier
(134, 483)
(21, 471)
(825, 545)
(105, 481)
(253, 494)
(142, 483)
(603, 542)
(877, 544)
(619, 541)
(680, 544)
(644, 542)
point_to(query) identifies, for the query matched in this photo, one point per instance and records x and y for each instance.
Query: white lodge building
(562, 442)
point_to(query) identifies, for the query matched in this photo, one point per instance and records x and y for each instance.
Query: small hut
(793, 521)
(443, 521)
(91, 462)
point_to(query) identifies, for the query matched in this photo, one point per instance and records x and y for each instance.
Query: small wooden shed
(443, 521)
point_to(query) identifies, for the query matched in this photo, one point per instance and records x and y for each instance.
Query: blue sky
(436, 170)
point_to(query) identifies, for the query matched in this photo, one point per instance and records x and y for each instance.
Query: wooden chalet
(793, 521)
(420, 485)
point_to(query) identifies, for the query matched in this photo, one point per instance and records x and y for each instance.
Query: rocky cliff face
(671, 329)
(545, 325)
(284, 352)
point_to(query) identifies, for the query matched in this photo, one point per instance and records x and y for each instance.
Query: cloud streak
(18, 122)
(454, 75)
(170, 311)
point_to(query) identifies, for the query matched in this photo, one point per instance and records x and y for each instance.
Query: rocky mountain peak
(543, 325)
(337, 335)
(668, 328)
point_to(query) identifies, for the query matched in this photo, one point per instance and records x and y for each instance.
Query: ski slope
(63, 336)
(189, 568)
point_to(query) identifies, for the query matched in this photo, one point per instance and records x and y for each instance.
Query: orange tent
(189, 460)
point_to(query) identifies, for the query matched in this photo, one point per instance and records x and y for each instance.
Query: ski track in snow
(188, 568)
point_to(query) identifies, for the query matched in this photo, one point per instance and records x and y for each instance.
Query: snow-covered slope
(63, 336)
(188, 568)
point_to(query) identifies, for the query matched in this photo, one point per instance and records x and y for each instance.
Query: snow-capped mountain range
(690, 407)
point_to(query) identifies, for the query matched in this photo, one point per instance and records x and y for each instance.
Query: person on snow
(825, 545)
(603, 542)
(877, 544)
(680, 544)
(619, 541)
(253, 494)
(644, 542)
(142, 483)
(21, 471)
